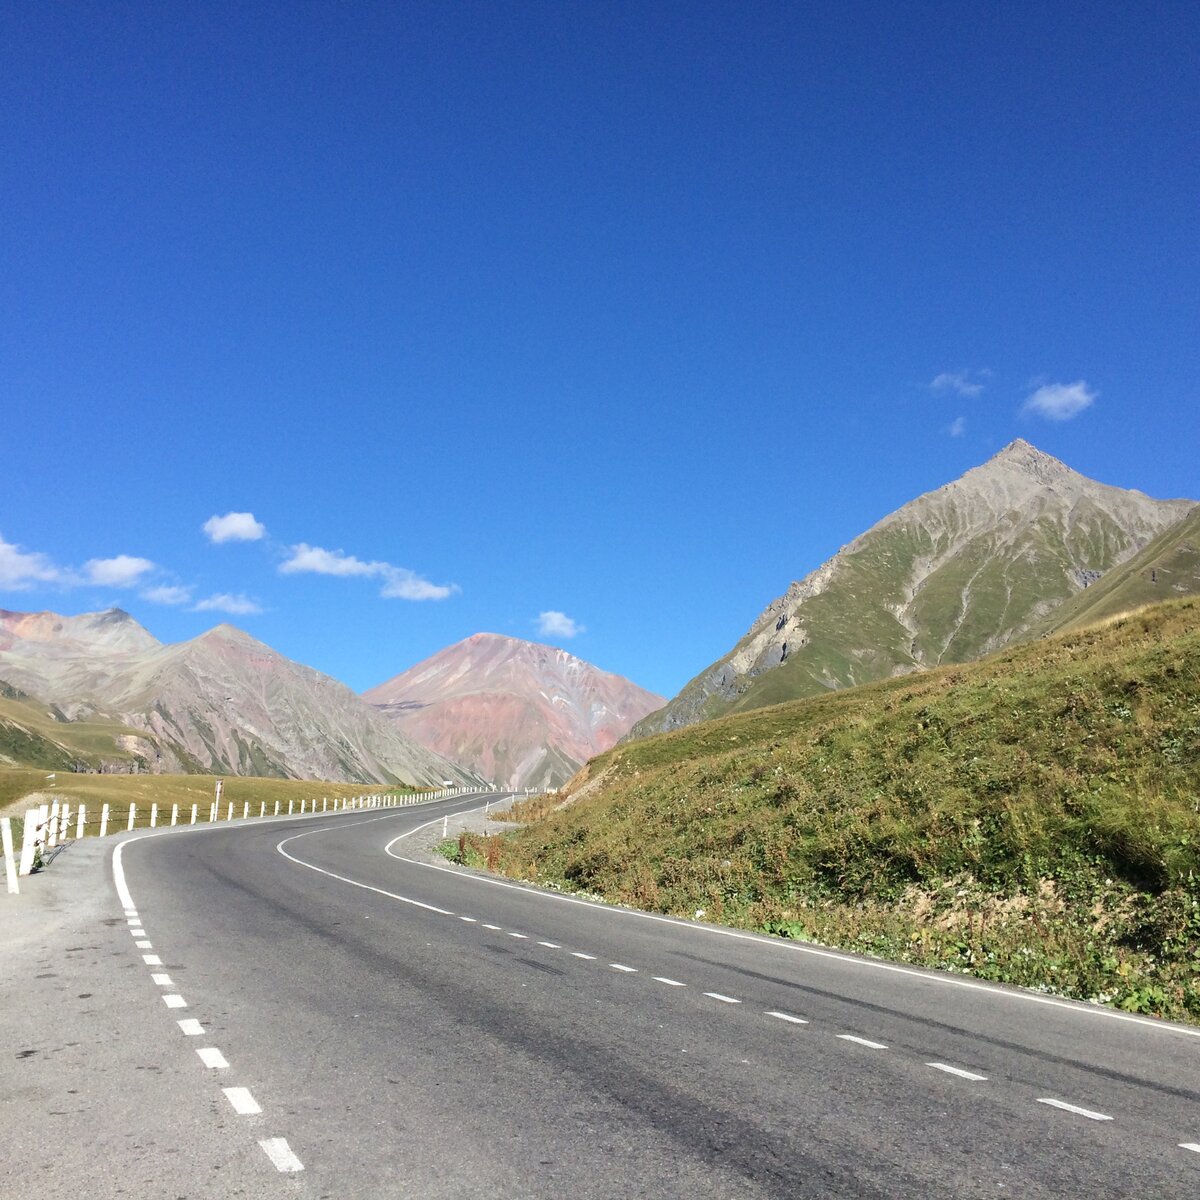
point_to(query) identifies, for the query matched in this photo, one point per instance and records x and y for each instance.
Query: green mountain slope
(33, 734)
(1168, 568)
(1033, 817)
(955, 574)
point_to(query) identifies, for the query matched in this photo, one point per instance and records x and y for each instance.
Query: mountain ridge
(952, 575)
(522, 713)
(221, 702)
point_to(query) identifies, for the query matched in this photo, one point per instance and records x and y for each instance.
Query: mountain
(517, 712)
(223, 702)
(950, 576)
(1167, 569)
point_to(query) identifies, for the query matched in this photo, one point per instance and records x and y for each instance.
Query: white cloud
(556, 624)
(234, 527)
(21, 569)
(122, 571)
(402, 584)
(957, 427)
(960, 383)
(398, 583)
(315, 560)
(224, 602)
(1060, 401)
(167, 594)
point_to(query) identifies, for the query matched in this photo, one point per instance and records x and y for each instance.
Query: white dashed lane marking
(523, 936)
(469, 921)
(782, 1016)
(244, 1104)
(668, 982)
(550, 945)
(580, 954)
(937, 1066)
(623, 967)
(1074, 1108)
(161, 980)
(138, 933)
(1193, 1146)
(723, 999)
(496, 928)
(144, 945)
(152, 960)
(280, 1153)
(212, 1058)
(849, 1037)
(191, 1027)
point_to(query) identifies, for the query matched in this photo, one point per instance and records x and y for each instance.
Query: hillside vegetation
(39, 735)
(1032, 818)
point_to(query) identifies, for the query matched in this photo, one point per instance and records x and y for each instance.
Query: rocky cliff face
(953, 575)
(519, 713)
(222, 703)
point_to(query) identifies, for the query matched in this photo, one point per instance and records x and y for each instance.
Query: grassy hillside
(1167, 569)
(1032, 818)
(39, 735)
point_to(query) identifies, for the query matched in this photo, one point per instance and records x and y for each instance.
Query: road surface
(311, 1008)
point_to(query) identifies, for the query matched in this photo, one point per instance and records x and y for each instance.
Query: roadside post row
(50, 824)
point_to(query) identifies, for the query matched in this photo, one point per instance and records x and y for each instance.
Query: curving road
(332, 1015)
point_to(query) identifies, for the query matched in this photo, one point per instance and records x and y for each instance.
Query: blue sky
(631, 313)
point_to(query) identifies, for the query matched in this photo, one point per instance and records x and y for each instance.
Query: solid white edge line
(723, 999)
(782, 1016)
(668, 982)
(858, 1041)
(1074, 1108)
(281, 1155)
(212, 1058)
(937, 1066)
(244, 1104)
(1078, 1007)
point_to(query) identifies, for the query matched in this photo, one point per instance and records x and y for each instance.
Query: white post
(445, 825)
(174, 814)
(153, 815)
(103, 820)
(487, 807)
(10, 859)
(277, 808)
(262, 808)
(290, 803)
(302, 804)
(80, 822)
(212, 811)
(28, 842)
(245, 810)
(64, 822)
(324, 803)
(195, 812)
(132, 816)
(53, 838)
(229, 814)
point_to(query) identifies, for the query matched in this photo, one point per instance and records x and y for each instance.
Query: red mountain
(519, 713)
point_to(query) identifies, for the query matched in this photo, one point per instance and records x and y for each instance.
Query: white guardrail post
(132, 816)
(29, 841)
(10, 861)
(80, 822)
(103, 820)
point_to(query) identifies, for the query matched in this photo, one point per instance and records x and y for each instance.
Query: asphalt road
(395, 1028)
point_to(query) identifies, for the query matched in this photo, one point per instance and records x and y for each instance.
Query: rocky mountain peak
(1019, 455)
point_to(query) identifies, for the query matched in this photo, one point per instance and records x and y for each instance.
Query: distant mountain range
(1017, 546)
(222, 703)
(517, 712)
